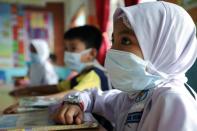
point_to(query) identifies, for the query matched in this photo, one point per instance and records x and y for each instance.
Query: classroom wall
(70, 6)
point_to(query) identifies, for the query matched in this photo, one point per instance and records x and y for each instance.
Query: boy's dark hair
(90, 35)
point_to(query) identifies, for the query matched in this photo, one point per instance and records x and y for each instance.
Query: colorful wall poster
(19, 52)
(6, 45)
(39, 25)
(17, 28)
(12, 46)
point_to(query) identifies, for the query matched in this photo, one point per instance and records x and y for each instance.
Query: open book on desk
(34, 103)
(40, 121)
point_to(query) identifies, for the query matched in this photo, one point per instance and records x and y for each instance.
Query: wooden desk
(6, 100)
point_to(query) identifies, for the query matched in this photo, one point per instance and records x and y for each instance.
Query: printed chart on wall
(6, 50)
(39, 25)
(19, 46)
(12, 45)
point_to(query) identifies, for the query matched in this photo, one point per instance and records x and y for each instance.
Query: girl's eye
(126, 41)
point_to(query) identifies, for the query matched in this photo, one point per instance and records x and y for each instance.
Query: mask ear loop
(85, 52)
(191, 91)
(152, 70)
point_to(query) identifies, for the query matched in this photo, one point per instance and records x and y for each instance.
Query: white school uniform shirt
(42, 73)
(167, 37)
(160, 109)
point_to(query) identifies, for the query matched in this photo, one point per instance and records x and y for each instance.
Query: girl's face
(124, 39)
(32, 49)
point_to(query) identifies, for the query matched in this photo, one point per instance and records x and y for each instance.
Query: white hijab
(42, 48)
(166, 35)
(42, 73)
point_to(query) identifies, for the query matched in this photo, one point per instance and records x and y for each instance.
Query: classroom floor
(5, 99)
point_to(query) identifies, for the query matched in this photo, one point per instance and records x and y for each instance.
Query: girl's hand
(68, 114)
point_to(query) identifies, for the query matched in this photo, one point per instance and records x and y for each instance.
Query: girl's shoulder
(171, 93)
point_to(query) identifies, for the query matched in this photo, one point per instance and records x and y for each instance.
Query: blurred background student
(81, 47)
(41, 71)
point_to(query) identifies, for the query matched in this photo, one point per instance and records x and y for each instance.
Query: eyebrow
(126, 32)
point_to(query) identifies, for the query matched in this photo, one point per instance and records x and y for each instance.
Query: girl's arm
(95, 101)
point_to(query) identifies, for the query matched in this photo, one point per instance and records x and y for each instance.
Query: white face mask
(35, 59)
(73, 60)
(128, 71)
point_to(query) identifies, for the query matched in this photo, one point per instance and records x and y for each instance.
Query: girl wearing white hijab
(41, 71)
(154, 44)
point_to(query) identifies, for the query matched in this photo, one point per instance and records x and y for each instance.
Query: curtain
(102, 14)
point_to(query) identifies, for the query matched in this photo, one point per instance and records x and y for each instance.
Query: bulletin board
(6, 45)
(39, 25)
(18, 38)
(12, 46)
(17, 28)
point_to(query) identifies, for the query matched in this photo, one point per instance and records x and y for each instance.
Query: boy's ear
(93, 52)
(92, 55)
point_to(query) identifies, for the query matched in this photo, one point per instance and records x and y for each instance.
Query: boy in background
(81, 47)
(41, 70)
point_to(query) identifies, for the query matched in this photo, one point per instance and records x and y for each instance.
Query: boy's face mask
(35, 59)
(73, 60)
(128, 71)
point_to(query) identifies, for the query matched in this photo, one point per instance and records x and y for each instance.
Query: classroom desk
(6, 100)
